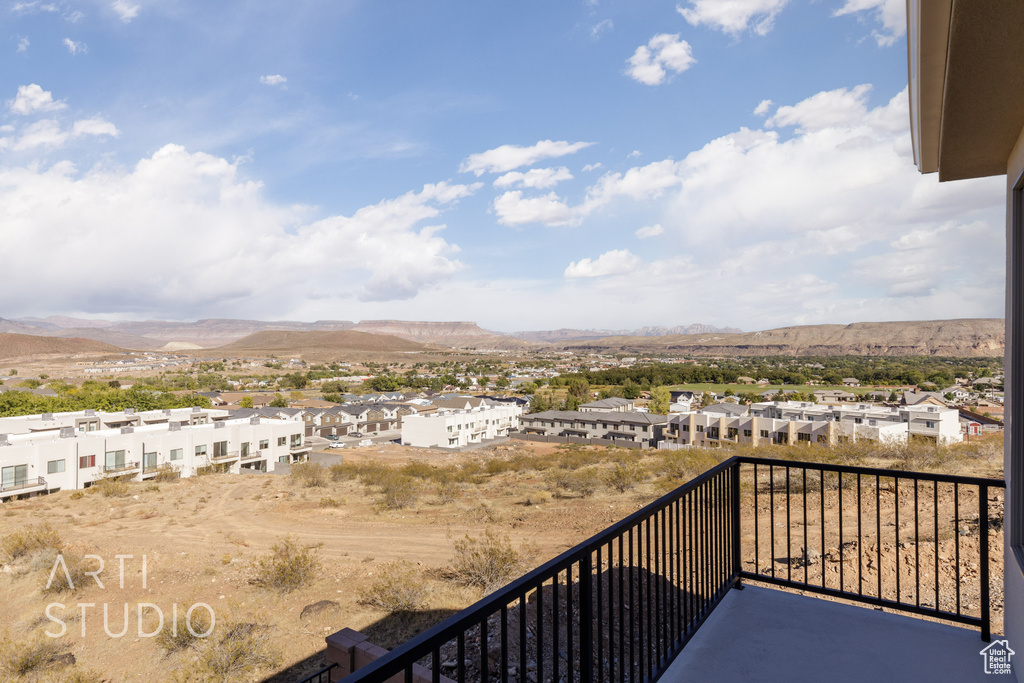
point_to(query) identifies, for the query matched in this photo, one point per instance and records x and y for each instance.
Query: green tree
(246, 402)
(661, 399)
(279, 401)
(579, 389)
(630, 390)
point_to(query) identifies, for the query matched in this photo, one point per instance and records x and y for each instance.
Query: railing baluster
(983, 561)
(860, 544)
(540, 631)
(935, 510)
(789, 536)
(821, 501)
(803, 558)
(896, 497)
(757, 527)
(622, 620)
(771, 503)
(569, 622)
(842, 558)
(586, 611)
(956, 537)
(878, 532)
(484, 649)
(555, 617)
(521, 672)
(917, 549)
(504, 644)
(600, 612)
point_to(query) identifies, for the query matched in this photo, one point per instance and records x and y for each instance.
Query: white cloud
(42, 133)
(33, 7)
(98, 230)
(601, 27)
(125, 9)
(539, 178)
(23, 44)
(734, 16)
(762, 108)
(615, 262)
(664, 52)
(95, 126)
(32, 98)
(639, 184)
(513, 209)
(824, 110)
(75, 48)
(273, 79)
(650, 231)
(509, 157)
(891, 14)
(592, 167)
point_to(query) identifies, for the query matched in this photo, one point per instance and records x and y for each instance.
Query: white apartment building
(457, 428)
(52, 452)
(784, 422)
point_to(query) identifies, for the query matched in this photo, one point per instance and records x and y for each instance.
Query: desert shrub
(685, 464)
(418, 470)
(624, 476)
(496, 466)
(399, 587)
(582, 481)
(287, 566)
(487, 562)
(24, 542)
(77, 495)
(56, 579)
(537, 498)
(111, 487)
(166, 472)
(245, 648)
(20, 658)
(343, 471)
(327, 502)
(447, 491)
(396, 491)
(180, 638)
(309, 475)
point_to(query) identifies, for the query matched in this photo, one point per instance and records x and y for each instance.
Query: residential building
(609, 405)
(642, 428)
(46, 453)
(834, 396)
(455, 428)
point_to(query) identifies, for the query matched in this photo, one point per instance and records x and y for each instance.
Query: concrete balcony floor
(764, 634)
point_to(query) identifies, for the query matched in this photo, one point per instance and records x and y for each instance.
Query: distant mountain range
(567, 334)
(969, 337)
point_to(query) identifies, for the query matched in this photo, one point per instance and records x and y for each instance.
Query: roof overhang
(966, 67)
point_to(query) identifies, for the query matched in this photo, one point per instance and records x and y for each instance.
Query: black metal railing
(19, 484)
(620, 606)
(321, 676)
(909, 541)
(623, 604)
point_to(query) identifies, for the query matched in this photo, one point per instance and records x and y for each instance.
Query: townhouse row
(60, 451)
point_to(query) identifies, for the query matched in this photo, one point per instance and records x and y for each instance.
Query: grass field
(756, 389)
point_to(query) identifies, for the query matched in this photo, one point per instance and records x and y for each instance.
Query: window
(177, 453)
(712, 432)
(803, 437)
(746, 433)
(114, 460)
(763, 433)
(929, 424)
(201, 450)
(686, 428)
(733, 432)
(220, 449)
(264, 444)
(282, 440)
(86, 461)
(245, 449)
(16, 475)
(283, 458)
(296, 440)
(149, 459)
(700, 428)
(858, 421)
(54, 466)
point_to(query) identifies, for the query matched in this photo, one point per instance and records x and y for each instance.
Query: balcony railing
(123, 467)
(224, 457)
(624, 603)
(31, 483)
(252, 455)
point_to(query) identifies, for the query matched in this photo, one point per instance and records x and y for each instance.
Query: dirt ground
(202, 536)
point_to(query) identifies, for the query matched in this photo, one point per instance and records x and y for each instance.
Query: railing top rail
(436, 636)
(872, 471)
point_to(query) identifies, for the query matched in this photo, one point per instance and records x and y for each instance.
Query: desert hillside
(22, 345)
(963, 338)
(315, 346)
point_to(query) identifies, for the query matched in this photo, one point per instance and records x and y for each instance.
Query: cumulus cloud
(94, 126)
(48, 133)
(664, 52)
(592, 167)
(650, 231)
(540, 178)
(273, 79)
(513, 209)
(891, 14)
(23, 44)
(75, 48)
(32, 98)
(824, 110)
(615, 262)
(762, 108)
(734, 16)
(125, 9)
(194, 238)
(510, 157)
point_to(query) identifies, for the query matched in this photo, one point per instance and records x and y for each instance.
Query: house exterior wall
(635, 427)
(77, 459)
(458, 428)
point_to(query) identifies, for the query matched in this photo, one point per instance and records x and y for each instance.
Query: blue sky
(594, 163)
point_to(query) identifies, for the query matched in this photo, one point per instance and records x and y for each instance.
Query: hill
(21, 345)
(963, 338)
(566, 334)
(315, 346)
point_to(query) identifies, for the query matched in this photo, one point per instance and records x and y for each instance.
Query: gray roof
(724, 409)
(608, 403)
(577, 416)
